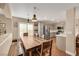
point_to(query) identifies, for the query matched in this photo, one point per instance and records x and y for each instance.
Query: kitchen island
(61, 42)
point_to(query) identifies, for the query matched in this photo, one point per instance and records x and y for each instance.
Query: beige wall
(5, 16)
(6, 39)
(5, 9)
(76, 26)
(70, 32)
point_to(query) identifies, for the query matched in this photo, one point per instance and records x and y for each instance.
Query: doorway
(25, 28)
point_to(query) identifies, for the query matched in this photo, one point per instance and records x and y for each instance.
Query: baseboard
(70, 53)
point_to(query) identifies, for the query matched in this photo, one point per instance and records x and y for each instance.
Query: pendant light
(34, 19)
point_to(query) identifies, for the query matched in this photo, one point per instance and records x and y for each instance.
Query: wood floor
(13, 49)
(55, 50)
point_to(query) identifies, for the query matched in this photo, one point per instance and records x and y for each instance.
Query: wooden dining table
(31, 42)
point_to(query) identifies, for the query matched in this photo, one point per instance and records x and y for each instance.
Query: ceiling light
(34, 19)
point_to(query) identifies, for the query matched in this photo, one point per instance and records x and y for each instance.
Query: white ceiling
(45, 11)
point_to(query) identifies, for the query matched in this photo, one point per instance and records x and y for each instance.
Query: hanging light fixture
(28, 20)
(34, 19)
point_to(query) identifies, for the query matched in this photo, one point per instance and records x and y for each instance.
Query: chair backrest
(37, 50)
(46, 44)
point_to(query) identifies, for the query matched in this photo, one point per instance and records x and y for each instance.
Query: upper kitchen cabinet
(5, 9)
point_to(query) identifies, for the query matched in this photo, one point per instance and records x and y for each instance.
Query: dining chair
(47, 48)
(37, 51)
